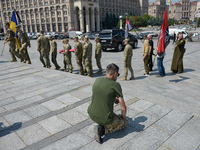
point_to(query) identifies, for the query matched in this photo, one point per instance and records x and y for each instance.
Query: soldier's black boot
(99, 131)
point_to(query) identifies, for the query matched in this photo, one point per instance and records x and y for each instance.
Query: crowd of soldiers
(82, 51)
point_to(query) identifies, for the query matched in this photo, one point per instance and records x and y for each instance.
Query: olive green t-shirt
(104, 93)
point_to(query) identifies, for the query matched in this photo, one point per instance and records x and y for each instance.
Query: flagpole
(3, 49)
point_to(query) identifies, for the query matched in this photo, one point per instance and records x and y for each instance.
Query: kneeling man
(105, 92)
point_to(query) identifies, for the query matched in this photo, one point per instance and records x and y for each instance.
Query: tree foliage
(198, 23)
(110, 21)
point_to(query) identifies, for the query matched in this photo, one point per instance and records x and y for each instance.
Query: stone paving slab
(46, 109)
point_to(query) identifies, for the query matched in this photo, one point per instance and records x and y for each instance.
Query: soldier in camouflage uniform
(10, 37)
(127, 60)
(67, 56)
(98, 54)
(54, 53)
(87, 56)
(78, 54)
(83, 39)
(44, 49)
(24, 43)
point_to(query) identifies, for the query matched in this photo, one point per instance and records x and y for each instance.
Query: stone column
(3, 18)
(87, 21)
(35, 22)
(93, 20)
(51, 28)
(56, 17)
(98, 20)
(71, 16)
(40, 21)
(31, 30)
(81, 21)
(62, 20)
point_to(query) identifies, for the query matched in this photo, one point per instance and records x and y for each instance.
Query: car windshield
(104, 35)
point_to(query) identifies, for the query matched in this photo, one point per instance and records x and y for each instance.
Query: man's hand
(116, 101)
(123, 107)
(5, 42)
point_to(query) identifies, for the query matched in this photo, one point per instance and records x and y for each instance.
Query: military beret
(126, 40)
(76, 37)
(42, 31)
(65, 40)
(50, 37)
(97, 38)
(7, 23)
(86, 37)
(17, 26)
(82, 35)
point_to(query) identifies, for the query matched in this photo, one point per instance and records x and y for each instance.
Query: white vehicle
(171, 32)
(75, 33)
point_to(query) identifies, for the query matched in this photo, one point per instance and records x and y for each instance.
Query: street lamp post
(120, 18)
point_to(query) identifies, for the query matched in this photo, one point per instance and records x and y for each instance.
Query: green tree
(198, 23)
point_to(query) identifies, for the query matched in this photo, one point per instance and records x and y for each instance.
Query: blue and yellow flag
(13, 23)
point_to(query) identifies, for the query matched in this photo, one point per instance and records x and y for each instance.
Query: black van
(113, 38)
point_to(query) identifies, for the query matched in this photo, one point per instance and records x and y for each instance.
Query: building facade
(183, 10)
(63, 15)
(157, 8)
(197, 14)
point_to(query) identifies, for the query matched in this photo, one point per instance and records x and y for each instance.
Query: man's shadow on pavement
(4, 61)
(7, 130)
(179, 80)
(132, 126)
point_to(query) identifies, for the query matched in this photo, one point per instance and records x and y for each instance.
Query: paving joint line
(41, 101)
(66, 132)
(177, 130)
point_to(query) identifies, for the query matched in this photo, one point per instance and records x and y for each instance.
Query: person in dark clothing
(149, 37)
(174, 38)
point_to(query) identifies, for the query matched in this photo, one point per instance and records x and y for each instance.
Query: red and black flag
(164, 39)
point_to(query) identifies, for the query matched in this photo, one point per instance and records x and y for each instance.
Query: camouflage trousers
(44, 58)
(118, 124)
(67, 62)
(98, 61)
(24, 54)
(13, 53)
(146, 62)
(54, 61)
(88, 67)
(126, 67)
(79, 65)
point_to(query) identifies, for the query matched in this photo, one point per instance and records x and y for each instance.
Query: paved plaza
(46, 109)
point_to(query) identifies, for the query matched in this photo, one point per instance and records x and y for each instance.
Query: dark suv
(113, 38)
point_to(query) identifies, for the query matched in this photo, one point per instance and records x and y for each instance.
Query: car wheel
(119, 47)
(104, 49)
(135, 44)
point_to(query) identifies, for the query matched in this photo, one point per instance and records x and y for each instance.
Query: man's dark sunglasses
(118, 74)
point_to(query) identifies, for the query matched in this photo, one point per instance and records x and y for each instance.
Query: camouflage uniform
(67, 57)
(24, 43)
(118, 124)
(78, 54)
(127, 61)
(44, 49)
(10, 38)
(54, 54)
(98, 56)
(146, 59)
(87, 57)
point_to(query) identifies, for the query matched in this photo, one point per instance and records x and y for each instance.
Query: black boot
(99, 131)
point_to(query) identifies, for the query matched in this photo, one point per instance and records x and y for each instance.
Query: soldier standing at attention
(177, 61)
(127, 60)
(87, 56)
(44, 49)
(78, 54)
(10, 37)
(98, 55)
(83, 39)
(146, 57)
(67, 56)
(54, 53)
(24, 43)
